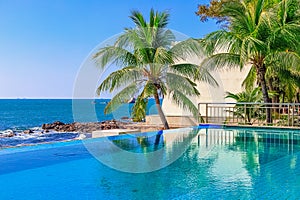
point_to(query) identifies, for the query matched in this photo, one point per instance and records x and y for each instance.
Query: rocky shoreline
(82, 128)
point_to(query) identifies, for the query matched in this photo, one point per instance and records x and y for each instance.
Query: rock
(10, 135)
(53, 125)
(58, 123)
(45, 126)
(27, 131)
(82, 127)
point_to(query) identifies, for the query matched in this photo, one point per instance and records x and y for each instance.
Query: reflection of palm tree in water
(157, 139)
(146, 143)
(262, 149)
(141, 143)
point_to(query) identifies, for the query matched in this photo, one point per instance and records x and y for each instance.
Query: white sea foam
(37, 128)
(6, 132)
(21, 139)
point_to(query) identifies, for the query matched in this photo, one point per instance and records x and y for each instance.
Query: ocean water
(17, 115)
(21, 114)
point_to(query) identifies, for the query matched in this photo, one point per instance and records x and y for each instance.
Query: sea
(17, 115)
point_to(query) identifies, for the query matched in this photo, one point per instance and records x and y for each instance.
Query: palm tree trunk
(274, 86)
(283, 97)
(160, 112)
(261, 72)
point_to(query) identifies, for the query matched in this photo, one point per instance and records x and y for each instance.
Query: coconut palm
(151, 64)
(283, 84)
(250, 111)
(263, 34)
(246, 96)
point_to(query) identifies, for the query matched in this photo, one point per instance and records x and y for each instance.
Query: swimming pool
(213, 163)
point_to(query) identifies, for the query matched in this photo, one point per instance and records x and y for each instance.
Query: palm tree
(246, 96)
(283, 83)
(250, 111)
(261, 33)
(148, 57)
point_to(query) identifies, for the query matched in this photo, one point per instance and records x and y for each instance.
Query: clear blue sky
(44, 42)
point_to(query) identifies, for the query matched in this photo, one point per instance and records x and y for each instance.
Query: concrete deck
(113, 132)
(174, 121)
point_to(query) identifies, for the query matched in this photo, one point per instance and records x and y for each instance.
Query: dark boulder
(82, 127)
(55, 125)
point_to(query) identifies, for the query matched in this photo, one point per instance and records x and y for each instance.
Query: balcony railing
(282, 114)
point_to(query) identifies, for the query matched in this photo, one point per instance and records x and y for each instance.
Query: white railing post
(285, 114)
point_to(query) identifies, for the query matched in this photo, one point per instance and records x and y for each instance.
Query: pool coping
(248, 126)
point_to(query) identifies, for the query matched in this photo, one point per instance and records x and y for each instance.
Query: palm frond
(187, 48)
(206, 76)
(258, 11)
(139, 108)
(120, 78)
(232, 96)
(221, 41)
(120, 98)
(285, 60)
(159, 19)
(254, 95)
(222, 61)
(288, 77)
(186, 69)
(125, 40)
(290, 91)
(250, 47)
(233, 9)
(184, 102)
(250, 79)
(112, 54)
(194, 72)
(138, 18)
(162, 38)
(182, 84)
(162, 56)
(149, 90)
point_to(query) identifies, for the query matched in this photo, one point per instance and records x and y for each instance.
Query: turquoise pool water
(214, 163)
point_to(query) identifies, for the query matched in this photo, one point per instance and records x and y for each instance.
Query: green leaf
(184, 102)
(119, 79)
(120, 98)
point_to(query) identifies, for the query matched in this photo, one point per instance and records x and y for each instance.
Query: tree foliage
(249, 111)
(263, 34)
(212, 11)
(148, 58)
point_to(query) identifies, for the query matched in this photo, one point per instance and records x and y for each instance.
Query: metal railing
(280, 114)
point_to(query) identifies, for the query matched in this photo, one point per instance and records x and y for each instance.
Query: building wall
(229, 80)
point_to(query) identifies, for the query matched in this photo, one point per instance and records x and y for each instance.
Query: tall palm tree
(261, 33)
(148, 57)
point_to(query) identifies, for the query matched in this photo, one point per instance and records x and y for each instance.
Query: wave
(6, 133)
(8, 138)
